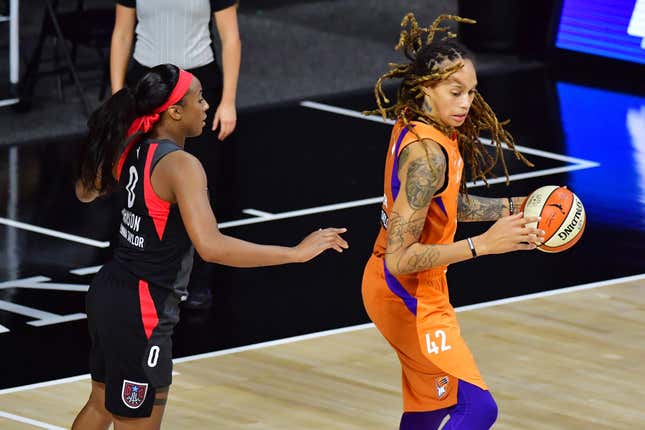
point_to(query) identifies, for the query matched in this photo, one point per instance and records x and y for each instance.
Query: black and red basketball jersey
(153, 243)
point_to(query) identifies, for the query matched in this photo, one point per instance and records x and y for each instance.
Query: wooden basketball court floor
(558, 338)
(562, 360)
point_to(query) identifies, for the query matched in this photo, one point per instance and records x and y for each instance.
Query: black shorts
(130, 324)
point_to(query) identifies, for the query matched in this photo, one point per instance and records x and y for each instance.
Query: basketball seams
(568, 219)
(544, 205)
(567, 211)
(564, 209)
(575, 234)
(554, 249)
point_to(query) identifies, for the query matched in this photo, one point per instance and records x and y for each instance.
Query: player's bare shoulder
(435, 154)
(177, 173)
(180, 164)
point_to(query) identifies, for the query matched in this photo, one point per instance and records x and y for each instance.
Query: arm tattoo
(399, 228)
(425, 176)
(402, 233)
(425, 258)
(403, 158)
(418, 183)
(473, 208)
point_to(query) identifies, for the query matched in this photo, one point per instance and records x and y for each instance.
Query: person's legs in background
(210, 152)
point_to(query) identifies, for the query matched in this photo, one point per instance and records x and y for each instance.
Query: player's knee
(97, 410)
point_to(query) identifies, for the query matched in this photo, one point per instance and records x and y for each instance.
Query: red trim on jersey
(148, 311)
(143, 124)
(158, 209)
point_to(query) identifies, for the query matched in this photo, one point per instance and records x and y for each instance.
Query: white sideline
(348, 329)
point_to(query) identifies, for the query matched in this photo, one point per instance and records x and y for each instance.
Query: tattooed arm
(474, 208)
(422, 167)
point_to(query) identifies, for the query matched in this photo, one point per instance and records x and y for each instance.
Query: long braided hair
(426, 68)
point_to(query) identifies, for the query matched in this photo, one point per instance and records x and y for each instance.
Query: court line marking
(255, 212)
(577, 164)
(26, 311)
(41, 283)
(375, 200)
(9, 102)
(41, 318)
(54, 233)
(57, 319)
(358, 327)
(81, 288)
(301, 212)
(25, 420)
(379, 119)
(263, 216)
(86, 270)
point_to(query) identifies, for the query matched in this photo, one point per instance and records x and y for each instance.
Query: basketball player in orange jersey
(439, 115)
(135, 145)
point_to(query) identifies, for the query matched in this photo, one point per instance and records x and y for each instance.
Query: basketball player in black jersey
(135, 145)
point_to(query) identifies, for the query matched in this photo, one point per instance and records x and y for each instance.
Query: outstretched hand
(319, 241)
(508, 234)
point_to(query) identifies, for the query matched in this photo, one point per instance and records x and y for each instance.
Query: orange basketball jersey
(413, 312)
(441, 222)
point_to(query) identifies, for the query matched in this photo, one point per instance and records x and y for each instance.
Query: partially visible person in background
(179, 32)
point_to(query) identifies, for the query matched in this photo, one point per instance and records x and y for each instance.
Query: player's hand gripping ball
(562, 217)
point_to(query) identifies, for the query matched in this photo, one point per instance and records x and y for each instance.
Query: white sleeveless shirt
(174, 31)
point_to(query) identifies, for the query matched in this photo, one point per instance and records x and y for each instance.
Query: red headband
(144, 123)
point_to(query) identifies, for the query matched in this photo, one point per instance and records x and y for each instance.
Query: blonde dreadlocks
(426, 56)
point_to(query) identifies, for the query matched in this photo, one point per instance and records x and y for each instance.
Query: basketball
(562, 217)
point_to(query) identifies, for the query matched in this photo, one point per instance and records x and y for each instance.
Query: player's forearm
(231, 55)
(405, 254)
(475, 208)
(120, 49)
(234, 252)
(419, 257)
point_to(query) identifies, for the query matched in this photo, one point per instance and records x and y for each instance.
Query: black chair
(67, 31)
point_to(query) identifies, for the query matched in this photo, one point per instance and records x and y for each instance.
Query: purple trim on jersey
(395, 286)
(440, 203)
(395, 184)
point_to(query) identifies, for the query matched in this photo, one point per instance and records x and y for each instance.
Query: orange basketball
(562, 217)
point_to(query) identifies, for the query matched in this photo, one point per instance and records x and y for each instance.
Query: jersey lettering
(432, 346)
(153, 357)
(132, 182)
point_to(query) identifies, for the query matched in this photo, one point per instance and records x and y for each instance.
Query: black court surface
(298, 166)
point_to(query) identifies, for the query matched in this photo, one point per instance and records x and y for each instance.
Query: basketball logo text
(574, 223)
